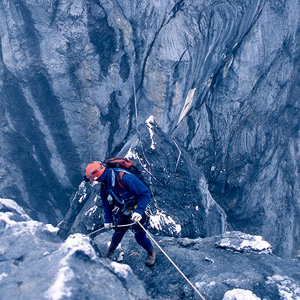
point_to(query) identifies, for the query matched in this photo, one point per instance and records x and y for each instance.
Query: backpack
(125, 164)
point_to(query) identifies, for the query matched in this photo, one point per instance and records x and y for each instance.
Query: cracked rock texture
(221, 78)
(36, 264)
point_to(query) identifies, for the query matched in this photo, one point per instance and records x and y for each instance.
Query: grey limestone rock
(220, 273)
(181, 203)
(36, 264)
(221, 79)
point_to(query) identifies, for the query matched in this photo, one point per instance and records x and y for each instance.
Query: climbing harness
(172, 262)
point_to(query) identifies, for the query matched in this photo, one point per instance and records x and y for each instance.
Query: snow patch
(287, 287)
(131, 154)
(187, 105)
(121, 270)
(240, 294)
(91, 211)
(242, 242)
(27, 225)
(3, 275)
(12, 205)
(149, 123)
(19, 228)
(51, 228)
(159, 220)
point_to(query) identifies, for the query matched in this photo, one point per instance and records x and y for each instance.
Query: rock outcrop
(233, 263)
(181, 203)
(221, 79)
(36, 264)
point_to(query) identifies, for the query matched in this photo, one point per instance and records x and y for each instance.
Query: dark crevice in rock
(31, 139)
(112, 117)
(27, 143)
(124, 67)
(54, 13)
(172, 14)
(130, 130)
(102, 36)
(55, 119)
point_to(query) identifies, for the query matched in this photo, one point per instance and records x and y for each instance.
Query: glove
(108, 225)
(136, 217)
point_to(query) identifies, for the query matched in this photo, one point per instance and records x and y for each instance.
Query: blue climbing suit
(121, 194)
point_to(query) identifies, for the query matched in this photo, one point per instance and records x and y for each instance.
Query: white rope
(98, 230)
(167, 256)
(134, 96)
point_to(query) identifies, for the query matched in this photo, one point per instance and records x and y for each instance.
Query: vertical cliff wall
(220, 77)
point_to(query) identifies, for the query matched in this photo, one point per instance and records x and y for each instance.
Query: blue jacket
(132, 190)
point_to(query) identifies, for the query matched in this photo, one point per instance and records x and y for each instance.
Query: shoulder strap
(119, 178)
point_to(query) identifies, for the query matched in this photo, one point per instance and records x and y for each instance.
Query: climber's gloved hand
(136, 217)
(108, 225)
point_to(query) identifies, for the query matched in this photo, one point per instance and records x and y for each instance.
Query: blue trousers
(139, 233)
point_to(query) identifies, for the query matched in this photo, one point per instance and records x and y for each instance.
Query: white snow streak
(12, 205)
(159, 219)
(121, 270)
(91, 211)
(131, 154)
(149, 123)
(187, 105)
(240, 294)
(59, 290)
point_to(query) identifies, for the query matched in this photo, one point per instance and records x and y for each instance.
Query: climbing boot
(150, 261)
(109, 252)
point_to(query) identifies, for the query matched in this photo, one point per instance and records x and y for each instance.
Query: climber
(125, 199)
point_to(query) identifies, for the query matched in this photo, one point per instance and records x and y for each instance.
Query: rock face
(220, 266)
(181, 203)
(36, 264)
(221, 79)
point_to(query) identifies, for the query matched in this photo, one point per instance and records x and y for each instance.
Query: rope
(135, 97)
(167, 256)
(98, 230)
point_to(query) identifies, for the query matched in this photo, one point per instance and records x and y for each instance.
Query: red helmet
(94, 170)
